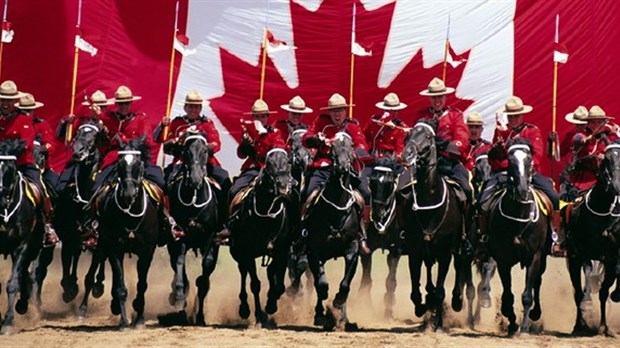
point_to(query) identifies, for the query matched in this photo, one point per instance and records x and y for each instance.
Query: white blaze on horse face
(520, 155)
(128, 158)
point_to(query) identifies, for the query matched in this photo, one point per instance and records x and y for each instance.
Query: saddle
(543, 201)
(314, 196)
(236, 201)
(33, 192)
(154, 191)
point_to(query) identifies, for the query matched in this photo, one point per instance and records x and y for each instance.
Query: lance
(69, 133)
(4, 24)
(171, 72)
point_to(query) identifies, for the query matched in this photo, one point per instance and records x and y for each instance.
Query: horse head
(609, 172)
(420, 148)
(84, 143)
(520, 167)
(482, 169)
(277, 172)
(195, 153)
(383, 184)
(130, 169)
(10, 150)
(342, 153)
(300, 155)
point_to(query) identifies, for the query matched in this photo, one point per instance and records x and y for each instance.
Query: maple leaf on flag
(560, 53)
(180, 44)
(7, 33)
(359, 50)
(275, 45)
(452, 61)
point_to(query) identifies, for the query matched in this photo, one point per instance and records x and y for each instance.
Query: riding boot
(361, 234)
(223, 237)
(88, 229)
(479, 228)
(169, 222)
(558, 236)
(50, 237)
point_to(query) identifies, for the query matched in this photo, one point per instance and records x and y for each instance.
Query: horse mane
(140, 145)
(12, 147)
(387, 162)
(433, 122)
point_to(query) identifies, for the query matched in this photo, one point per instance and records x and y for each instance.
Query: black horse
(333, 223)
(517, 231)
(194, 206)
(129, 223)
(21, 231)
(385, 231)
(433, 221)
(264, 231)
(595, 235)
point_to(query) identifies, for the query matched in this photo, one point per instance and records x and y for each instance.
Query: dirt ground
(57, 325)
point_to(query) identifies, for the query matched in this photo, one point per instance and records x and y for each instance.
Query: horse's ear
(143, 139)
(18, 147)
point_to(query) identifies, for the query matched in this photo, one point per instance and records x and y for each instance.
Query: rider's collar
(438, 113)
(124, 117)
(519, 128)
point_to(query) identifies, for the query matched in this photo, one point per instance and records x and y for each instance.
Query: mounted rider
(119, 127)
(324, 128)
(453, 130)
(588, 152)
(296, 109)
(385, 133)
(568, 191)
(16, 125)
(193, 122)
(258, 139)
(476, 145)
(515, 110)
(46, 139)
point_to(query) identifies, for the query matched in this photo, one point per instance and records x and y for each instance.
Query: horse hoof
(457, 304)
(485, 302)
(272, 306)
(535, 314)
(420, 310)
(512, 328)
(244, 311)
(339, 301)
(615, 296)
(319, 320)
(115, 307)
(82, 313)
(388, 314)
(7, 330)
(21, 306)
(200, 320)
(98, 289)
(351, 327)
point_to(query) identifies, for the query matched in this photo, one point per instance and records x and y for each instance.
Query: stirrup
(175, 229)
(50, 238)
(557, 250)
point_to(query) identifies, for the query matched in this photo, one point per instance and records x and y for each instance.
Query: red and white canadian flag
(180, 44)
(84, 45)
(356, 48)
(7, 33)
(275, 45)
(560, 53)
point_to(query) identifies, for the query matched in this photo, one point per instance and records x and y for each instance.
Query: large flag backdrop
(506, 48)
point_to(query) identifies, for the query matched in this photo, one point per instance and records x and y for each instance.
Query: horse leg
(89, 281)
(508, 298)
(615, 295)
(415, 268)
(440, 291)
(177, 261)
(259, 315)
(276, 273)
(244, 308)
(12, 288)
(532, 280)
(119, 290)
(350, 267)
(537, 310)
(610, 277)
(321, 287)
(587, 287)
(144, 263)
(390, 283)
(98, 287)
(459, 282)
(202, 283)
(69, 256)
(574, 269)
(486, 270)
(366, 283)
(430, 287)
(470, 293)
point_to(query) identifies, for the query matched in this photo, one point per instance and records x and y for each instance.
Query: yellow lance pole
(445, 52)
(69, 132)
(263, 64)
(4, 24)
(171, 73)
